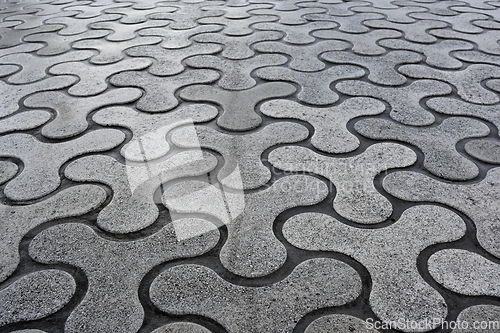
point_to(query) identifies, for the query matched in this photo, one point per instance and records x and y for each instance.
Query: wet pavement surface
(249, 166)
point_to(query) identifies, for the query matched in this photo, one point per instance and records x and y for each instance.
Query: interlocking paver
(303, 59)
(479, 313)
(42, 160)
(132, 207)
(437, 55)
(24, 121)
(452, 106)
(242, 168)
(238, 47)
(131, 131)
(333, 282)
(404, 101)
(478, 201)
(149, 131)
(382, 69)
(467, 81)
(363, 44)
(71, 112)
(465, 272)
(171, 61)
(315, 87)
(13, 93)
(58, 44)
(123, 32)
(35, 296)
(159, 95)
(251, 249)
(330, 132)
(398, 290)
(238, 107)
(296, 34)
(437, 143)
(356, 198)
(18, 220)
(110, 52)
(114, 269)
(236, 73)
(178, 39)
(338, 323)
(484, 150)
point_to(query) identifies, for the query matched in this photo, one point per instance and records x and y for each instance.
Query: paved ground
(249, 166)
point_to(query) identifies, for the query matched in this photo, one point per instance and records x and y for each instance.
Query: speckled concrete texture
(240, 166)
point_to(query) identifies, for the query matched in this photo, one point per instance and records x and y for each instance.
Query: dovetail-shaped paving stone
(336, 9)
(93, 79)
(356, 198)
(58, 44)
(479, 313)
(7, 171)
(236, 73)
(437, 143)
(35, 296)
(415, 32)
(18, 220)
(339, 323)
(110, 52)
(284, 6)
(437, 54)
(351, 24)
(381, 69)
(30, 21)
(238, 47)
(150, 130)
(465, 272)
(485, 41)
(179, 39)
(97, 9)
(238, 107)
(132, 207)
(24, 121)
(122, 32)
(404, 101)
(12, 94)
(462, 22)
(75, 26)
(363, 44)
(170, 61)
(304, 59)
(296, 34)
(71, 112)
(484, 150)
(42, 160)
(397, 15)
(34, 68)
(479, 201)
(242, 168)
(181, 327)
(12, 37)
(398, 291)
(295, 17)
(134, 15)
(188, 13)
(456, 107)
(330, 132)
(438, 8)
(467, 81)
(237, 27)
(159, 96)
(251, 249)
(114, 269)
(23, 48)
(315, 86)
(195, 289)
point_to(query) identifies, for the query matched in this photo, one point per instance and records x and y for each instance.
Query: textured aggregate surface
(241, 166)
